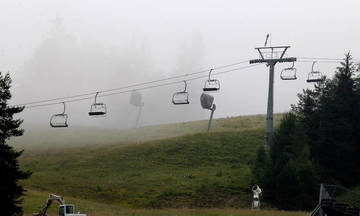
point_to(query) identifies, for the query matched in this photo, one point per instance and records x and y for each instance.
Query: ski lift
(182, 97)
(211, 84)
(288, 73)
(59, 120)
(97, 109)
(315, 76)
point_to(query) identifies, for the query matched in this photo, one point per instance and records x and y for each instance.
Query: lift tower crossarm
(255, 61)
(259, 49)
(270, 62)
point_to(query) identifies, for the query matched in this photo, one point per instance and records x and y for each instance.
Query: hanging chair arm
(64, 108)
(96, 96)
(312, 67)
(210, 73)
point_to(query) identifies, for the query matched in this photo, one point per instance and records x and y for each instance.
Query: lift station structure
(271, 55)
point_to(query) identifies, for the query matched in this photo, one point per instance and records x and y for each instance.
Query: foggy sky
(61, 48)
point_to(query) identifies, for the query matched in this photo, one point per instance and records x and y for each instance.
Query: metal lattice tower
(271, 55)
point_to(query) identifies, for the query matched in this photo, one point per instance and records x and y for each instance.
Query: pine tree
(260, 166)
(10, 190)
(290, 181)
(331, 118)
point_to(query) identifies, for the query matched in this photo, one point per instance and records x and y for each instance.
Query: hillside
(39, 138)
(203, 170)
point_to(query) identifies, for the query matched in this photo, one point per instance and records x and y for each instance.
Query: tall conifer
(10, 173)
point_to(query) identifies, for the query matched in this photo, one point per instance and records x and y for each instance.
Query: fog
(61, 48)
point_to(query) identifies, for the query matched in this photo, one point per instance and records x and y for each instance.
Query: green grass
(35, 200)
(144, 168)
(202, 170)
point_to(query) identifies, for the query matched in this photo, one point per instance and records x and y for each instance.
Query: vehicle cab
(68, 210)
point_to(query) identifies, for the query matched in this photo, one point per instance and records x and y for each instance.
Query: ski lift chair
(59, 120)
(314, 76)
(97, 109)
(288, 73)
(182, 97)
(211, 84)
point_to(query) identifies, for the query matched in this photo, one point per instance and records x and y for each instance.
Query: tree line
(318, 141)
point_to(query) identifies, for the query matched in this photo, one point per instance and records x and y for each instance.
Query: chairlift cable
(330, 59)
(319, 61)
(324, 60)
(130, 86)
(142, 88)
(334, 59)
(80, 97)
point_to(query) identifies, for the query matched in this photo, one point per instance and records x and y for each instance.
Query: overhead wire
(324, 59)
(335, 59)
(86, 96)
(130, 86)
(142, 88)
(319, 61)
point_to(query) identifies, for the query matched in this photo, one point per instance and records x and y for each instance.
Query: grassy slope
(196, 170)
(36, 198)
(43, 138)
(204, 170)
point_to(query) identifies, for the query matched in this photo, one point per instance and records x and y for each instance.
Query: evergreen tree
(331, 118)
(10, 190)
(295, 181)
(260, 167)
(289, 180)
